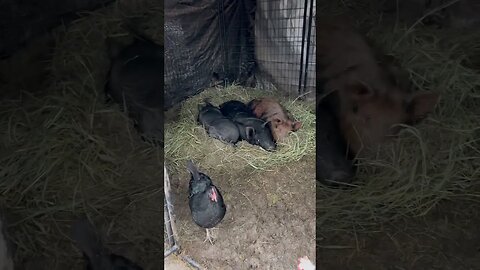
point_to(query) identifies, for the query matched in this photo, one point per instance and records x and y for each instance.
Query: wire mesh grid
(240, 41)
(285, 43)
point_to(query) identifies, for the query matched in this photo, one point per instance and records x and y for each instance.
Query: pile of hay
(185, 139)
(434, 161)
(65, 154)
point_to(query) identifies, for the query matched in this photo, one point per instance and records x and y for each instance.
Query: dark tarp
(201, 44)
(250, 39)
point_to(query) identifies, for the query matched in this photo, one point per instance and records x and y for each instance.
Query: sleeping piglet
(216, 124)
(272, 111)
(252, 129)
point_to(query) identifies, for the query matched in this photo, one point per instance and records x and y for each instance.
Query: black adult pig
(333, 165)
(135, 79)
(217, 125)
(252, 129)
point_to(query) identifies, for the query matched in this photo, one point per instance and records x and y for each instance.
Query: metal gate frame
(307, 27)
(306, 51)
(169, 219)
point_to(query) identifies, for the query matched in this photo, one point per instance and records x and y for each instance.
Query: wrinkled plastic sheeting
(196, 49)
(278, 43)
(183, 76)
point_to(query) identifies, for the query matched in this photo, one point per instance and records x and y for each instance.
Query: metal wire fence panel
(225, 41)
(170, 236)
(285, 43)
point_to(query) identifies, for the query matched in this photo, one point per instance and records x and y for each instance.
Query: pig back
(332, 160)
(208, 114)
(136, 76)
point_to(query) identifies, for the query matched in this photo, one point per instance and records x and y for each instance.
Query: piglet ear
(360, 91)
(423, 104)
(296, 125)
(253, 103)
(250, 131)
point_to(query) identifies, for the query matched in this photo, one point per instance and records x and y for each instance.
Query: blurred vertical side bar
(170, 229)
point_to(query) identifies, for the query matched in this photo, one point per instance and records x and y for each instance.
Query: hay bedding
(65, 154)
(434, 161)
(186, 139)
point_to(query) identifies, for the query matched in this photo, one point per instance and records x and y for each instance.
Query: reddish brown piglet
(272, 111)
(368, 117)
(368, 99)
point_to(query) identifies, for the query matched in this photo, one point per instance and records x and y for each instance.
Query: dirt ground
(269, 224)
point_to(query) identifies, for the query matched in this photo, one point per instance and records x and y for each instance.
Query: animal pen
(245, 42)
(240, 50)
(65, 153)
